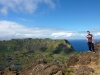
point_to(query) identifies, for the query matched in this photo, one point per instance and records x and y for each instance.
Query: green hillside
(20, 53)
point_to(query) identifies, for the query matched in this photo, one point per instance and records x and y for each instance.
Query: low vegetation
(20, 53)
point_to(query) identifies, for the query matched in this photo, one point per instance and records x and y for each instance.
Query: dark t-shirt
(89, 37)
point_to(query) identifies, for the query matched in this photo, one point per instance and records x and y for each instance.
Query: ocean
(81, 45)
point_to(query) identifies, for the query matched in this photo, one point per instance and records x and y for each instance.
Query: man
(90, 41)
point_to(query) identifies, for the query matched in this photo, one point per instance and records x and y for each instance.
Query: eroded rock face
(83, 70)
(83, 59)
(97, 46)
(41, 67)
(8, 71)
(88, 57)
(59, 73)
(39, 61)
(44, 69)
(72, 60)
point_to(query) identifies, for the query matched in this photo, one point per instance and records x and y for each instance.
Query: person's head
(88, 32)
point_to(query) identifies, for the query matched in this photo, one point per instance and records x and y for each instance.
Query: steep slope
(86, 63)
(49, 62)
(31, 45)
(20, 53)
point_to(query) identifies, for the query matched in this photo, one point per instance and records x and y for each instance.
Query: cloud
(62, 34)
(28, 6)
(10, 30)
(4, 10)
(97, 34)
(27, 20)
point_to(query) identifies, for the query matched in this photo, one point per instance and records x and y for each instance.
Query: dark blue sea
(81, 45)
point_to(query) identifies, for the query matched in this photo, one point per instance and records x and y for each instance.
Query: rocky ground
(86, 63)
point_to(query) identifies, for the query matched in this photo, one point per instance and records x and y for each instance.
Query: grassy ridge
(20, 53)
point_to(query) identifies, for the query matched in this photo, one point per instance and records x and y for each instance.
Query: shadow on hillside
(62, 49)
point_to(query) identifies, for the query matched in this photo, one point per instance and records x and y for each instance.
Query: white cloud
(62, 34)
(28, 6)
(10, 30)
(97, 34)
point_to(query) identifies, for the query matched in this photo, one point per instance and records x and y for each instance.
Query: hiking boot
(89, 51)
(94, 52)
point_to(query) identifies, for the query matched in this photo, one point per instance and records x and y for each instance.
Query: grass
(98, 66)
(26, 51)
(95, 74)
(69, 71)
(19, 57)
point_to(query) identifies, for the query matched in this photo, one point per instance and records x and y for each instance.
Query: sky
(56, 19)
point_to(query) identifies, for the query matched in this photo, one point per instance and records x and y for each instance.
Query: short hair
(88, 31)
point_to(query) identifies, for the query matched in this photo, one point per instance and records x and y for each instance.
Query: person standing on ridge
(90, 42)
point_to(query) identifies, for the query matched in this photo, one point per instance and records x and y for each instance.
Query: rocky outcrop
(8, 71)
(43, 69)
(39, 67)
(87, 58)
(72, 61)
(75, 65)
(84, 58)
(97, 46)
(69, 68)
(83, 70)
